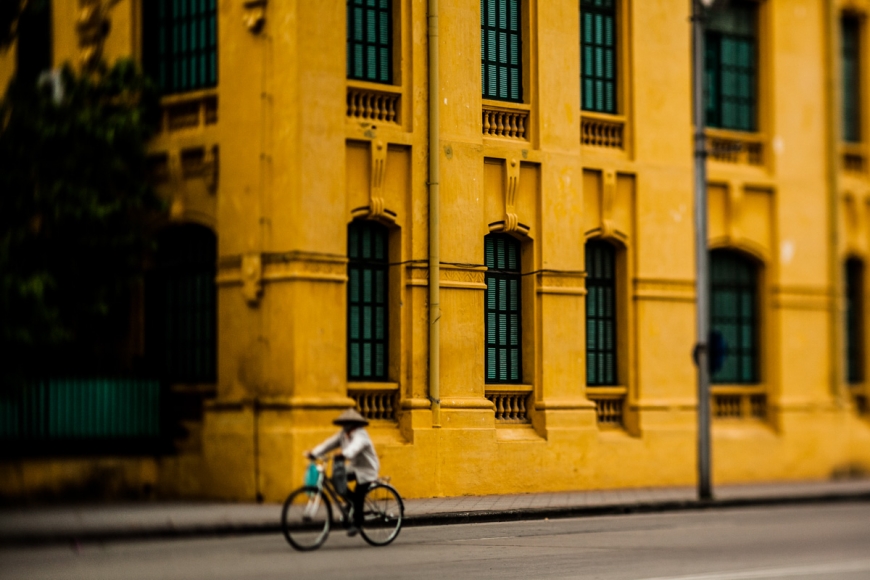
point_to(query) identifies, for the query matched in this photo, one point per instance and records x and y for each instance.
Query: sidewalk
(107, 522)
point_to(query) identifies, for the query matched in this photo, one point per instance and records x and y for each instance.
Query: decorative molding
(511, 222)
(254, 15)
(278, 267)
(92, 28)
(472, 277)
(561, 282)
(735, 147)
(662, 289)
(853, 157)
(795, 297)
(376, 209)
(252, 278)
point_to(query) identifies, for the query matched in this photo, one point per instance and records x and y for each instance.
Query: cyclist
(356, 446)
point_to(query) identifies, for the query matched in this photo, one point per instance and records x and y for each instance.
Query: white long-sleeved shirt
(358, 448)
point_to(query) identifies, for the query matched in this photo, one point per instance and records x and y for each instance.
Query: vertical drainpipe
(832, 85)
(434, 221)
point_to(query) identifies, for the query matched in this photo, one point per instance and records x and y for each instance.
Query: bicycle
(306, 518)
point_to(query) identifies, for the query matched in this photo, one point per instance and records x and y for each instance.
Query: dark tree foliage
(74, 208)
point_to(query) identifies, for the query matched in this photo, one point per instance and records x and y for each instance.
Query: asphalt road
(820, 541)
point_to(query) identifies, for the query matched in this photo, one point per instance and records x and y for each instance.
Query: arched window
(503, 314)
(734, 315)
(367, 303)
(181, 306)
(854, 291)
(600, 313)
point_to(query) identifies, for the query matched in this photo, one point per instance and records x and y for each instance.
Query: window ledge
(736, 147)
(508, 388)
(602, 130)
(372, 386)
(373, 86)
(606, 391)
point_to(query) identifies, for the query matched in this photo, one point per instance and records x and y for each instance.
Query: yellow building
(298, 132)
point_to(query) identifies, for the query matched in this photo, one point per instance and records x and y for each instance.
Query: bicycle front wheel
(306, 518)
(383, 511)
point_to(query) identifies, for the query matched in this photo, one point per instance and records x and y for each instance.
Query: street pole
(702, 286)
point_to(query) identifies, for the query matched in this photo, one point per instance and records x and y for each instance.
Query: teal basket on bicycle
(311, 475)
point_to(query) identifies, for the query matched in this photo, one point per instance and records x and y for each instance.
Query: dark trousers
(357, 497)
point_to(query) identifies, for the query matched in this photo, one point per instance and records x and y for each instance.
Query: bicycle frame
(325, 486)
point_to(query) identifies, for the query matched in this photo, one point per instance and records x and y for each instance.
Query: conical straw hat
(350, 417)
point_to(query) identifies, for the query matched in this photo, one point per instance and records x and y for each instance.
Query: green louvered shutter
(370, 40)
(180, 44)
(851, 62)
(600, 314)
(731, 65)
(598, 40)
(367, 301)
(503, 322)
(854, 321)
(733, 314)
(501, 50)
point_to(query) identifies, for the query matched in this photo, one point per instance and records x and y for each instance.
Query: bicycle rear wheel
(306, 518)
(383, 511)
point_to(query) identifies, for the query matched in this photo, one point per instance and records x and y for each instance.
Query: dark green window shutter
(501, 59)
(181, 306)
(367, 301)
(370, 40)
(854, 321)
(33, 54)
(179, 43)
(598, 59)
(731, 63)
(733, 314)
(850, 30)
(600, 313)
(503, 316)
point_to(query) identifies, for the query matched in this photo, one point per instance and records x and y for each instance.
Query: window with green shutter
(850, 31)
(598, 61)
(600, 313)
(503, 322)
(731, 64)
(367, 273)
(181, 306)
(180, 44)
(370, 40)
(501, 59)
(854, 321)
(733, 314)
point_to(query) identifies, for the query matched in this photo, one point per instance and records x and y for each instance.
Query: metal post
(702, 286)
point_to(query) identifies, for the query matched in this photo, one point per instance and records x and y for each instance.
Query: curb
(436, 519)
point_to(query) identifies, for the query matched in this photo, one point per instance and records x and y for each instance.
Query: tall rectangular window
(501, 59)
(179, 43)
(850, 31)
(733, 295)
(600, 314)
(598, 40)
(854, 321)
(731, 65)
(370, 40)
(367, 290)
(503, 318)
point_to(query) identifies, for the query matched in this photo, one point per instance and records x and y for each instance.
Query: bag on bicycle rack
(311, 475)
(339, 476)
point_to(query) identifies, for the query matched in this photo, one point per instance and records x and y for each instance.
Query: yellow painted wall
(290, 168)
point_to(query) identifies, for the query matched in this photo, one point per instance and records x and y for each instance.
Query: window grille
(600, 313)
(180, 44)
(854, 321)
(500, 50)
(733, 312)
(33, 53)
(851, 46)
(731, 65)
(367, 303)
(181, 306)
(370, 40)
(503, 315)
(598, 35)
